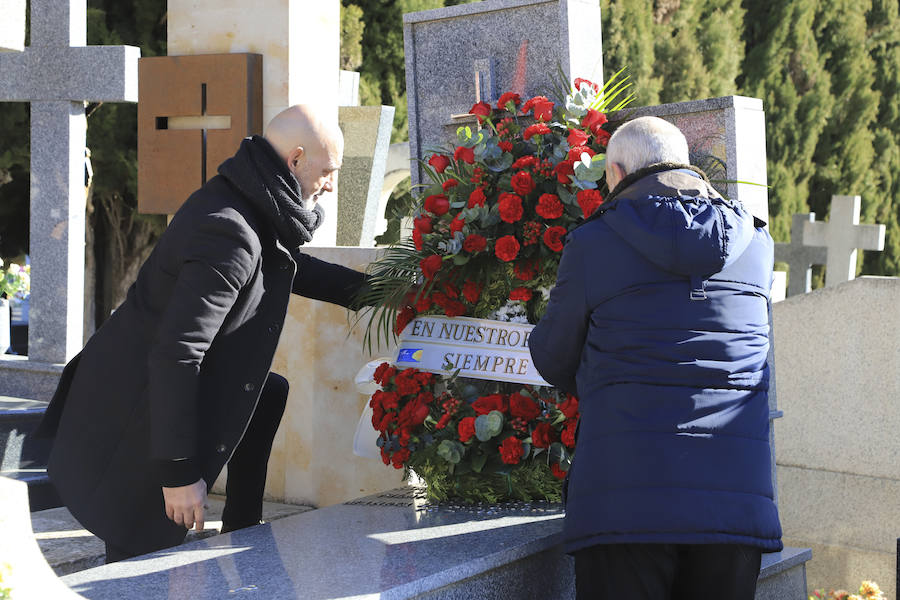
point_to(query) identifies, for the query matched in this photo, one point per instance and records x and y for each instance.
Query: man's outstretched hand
(185, 505)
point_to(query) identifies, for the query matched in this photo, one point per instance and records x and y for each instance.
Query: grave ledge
(387, 547)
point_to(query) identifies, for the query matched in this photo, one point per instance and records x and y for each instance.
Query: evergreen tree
(883, 206)
(783, 68)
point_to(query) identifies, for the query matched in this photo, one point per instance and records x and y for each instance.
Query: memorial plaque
(193, 112)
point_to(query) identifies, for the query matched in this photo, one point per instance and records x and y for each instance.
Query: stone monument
(842, 235)
(799, 257)
(57, 73)
(496, 47)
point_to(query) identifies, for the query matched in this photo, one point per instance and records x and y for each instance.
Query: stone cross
(800, 257)
(12, 25)
(842, 235)
(57, 74)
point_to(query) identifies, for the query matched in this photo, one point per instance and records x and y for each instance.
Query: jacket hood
(680, 223)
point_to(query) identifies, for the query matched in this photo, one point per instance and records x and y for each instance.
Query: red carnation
(542, 436)
(589, 200)
(593, 120)
(474, 243)
(418, 240)
(403, 318)
(523, 407)
(486, 404)
(531, 102)
(522, 183)
(602, 136)
(450, 183)
(510, 207)
(382, 369)
(457, 224)
(481, 110)
(579, 82)
(454, 308)
(477, 197)
(506, 99)
(506, 146)
(390, 400)
(526, 162)
(430, 266)
(423, 223)
(471, 291)
(576, 152)
(464, 154)
(525, 270)
(522, 294)
(543, 111)
(511, 450)
(577, 138)
(385, 457)
(568, 434)
(557, 472)
(553, 238)
(466, 429)
(536, 129)
(507, 248)
(570, 407)
(564, 170)
(424, 303)
(549, 206)
(407, 384)
(439, 162)
(400, 457)
(437, 204)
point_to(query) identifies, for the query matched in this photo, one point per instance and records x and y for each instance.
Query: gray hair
(646, 141)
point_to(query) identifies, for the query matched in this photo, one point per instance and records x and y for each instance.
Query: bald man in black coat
(176, 383)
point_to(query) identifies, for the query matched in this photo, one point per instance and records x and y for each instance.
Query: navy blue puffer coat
(659, 323)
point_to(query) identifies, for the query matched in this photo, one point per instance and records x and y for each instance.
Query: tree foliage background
(828, 72)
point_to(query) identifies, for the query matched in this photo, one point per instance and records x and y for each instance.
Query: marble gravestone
(458, 55)
(367, 138)
(12, 25)
(57, 73)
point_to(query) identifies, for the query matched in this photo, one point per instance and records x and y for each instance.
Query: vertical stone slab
(58, 131)
(510, 43)
(726, 136)
(300, 44)
(12, 25)
(367, 138)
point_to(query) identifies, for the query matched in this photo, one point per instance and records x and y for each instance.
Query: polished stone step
(69, 548)
(41, 493)
(390, 545)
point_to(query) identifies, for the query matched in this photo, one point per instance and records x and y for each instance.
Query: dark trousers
(667, 572)
(246, 480)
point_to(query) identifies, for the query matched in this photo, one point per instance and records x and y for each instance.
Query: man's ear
(295, 156)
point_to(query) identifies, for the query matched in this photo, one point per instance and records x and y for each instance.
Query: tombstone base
(22, 378)
(385, 546)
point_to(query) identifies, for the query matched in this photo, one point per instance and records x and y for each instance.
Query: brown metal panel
(170, 162)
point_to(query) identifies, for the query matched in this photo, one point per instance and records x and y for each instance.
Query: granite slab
(365, 550)
(388, 546)
(69, 548)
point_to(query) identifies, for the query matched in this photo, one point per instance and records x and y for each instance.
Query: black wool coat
(177, 369)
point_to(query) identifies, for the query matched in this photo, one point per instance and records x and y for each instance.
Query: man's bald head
(312, 147)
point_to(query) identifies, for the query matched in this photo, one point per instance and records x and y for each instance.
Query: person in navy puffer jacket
(659, 324)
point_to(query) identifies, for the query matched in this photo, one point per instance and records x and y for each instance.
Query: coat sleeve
(557, 341)
(216, 262)
(329, 282)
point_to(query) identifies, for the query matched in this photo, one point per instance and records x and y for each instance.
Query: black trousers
(246, 480)
(667, 572)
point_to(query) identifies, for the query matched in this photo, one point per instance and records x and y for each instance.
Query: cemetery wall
(837, 355)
